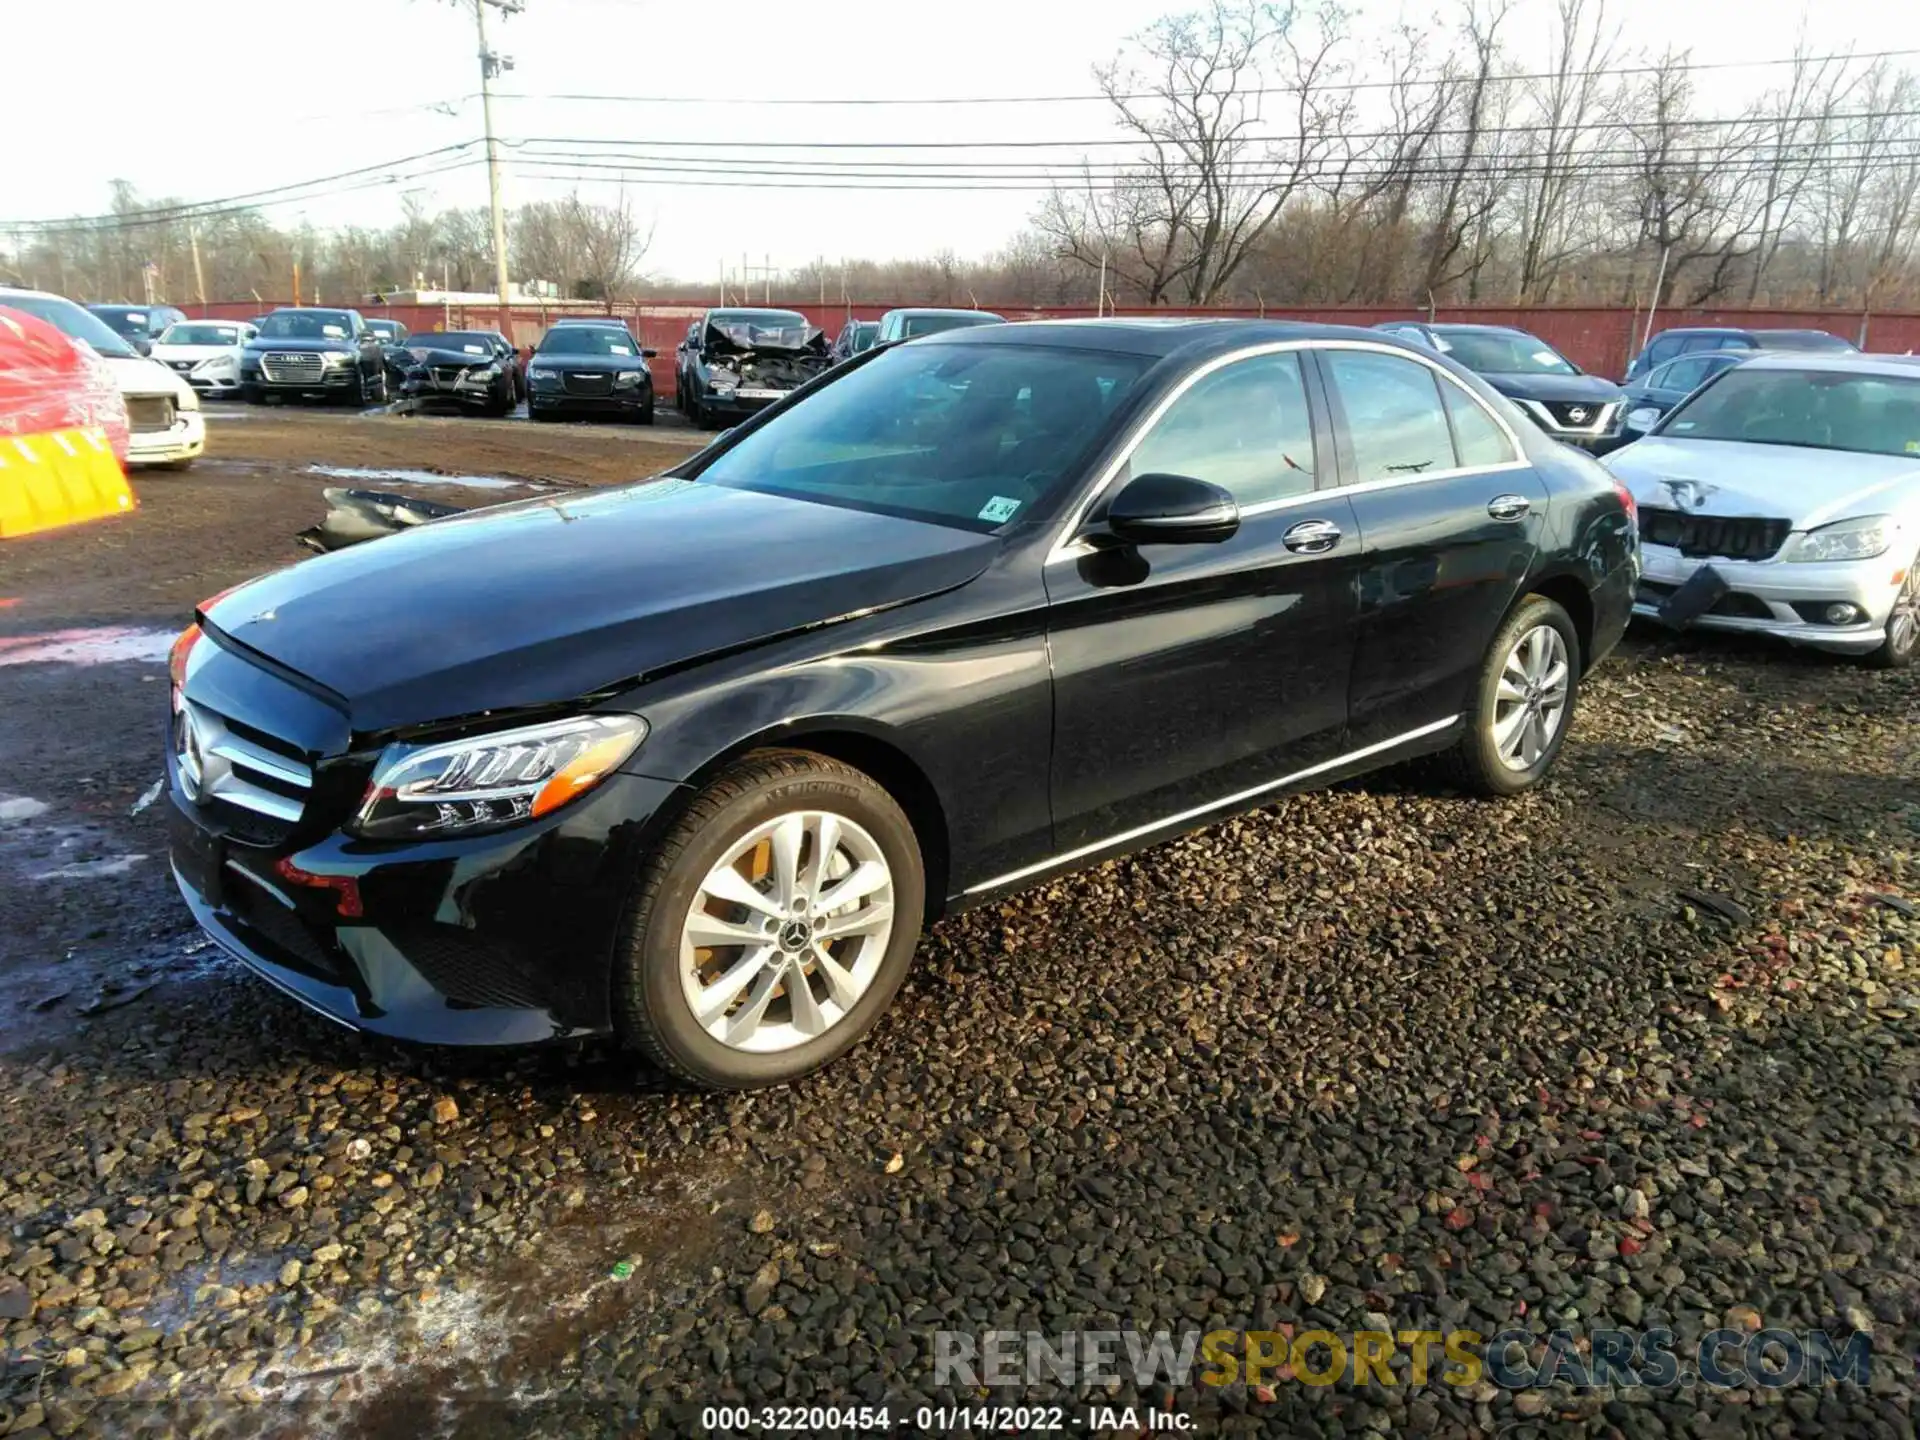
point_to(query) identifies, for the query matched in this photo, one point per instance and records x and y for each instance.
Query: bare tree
(1554, 176)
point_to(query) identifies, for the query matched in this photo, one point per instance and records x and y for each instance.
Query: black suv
(139, 325)
(583, 369)
(692, 761)
(314, 354)
(735, 362)
(1570, 405)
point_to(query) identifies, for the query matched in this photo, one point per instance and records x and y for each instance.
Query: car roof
(1705, 330)
(1839, 362)
(1162, 335)
(311, 310)
(937, 310)
(37, 294)
(614, 320)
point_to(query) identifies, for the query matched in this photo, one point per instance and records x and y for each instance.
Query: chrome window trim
(1237, 798)
(1068, 545)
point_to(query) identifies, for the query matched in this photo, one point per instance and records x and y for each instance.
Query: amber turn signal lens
(585, 770)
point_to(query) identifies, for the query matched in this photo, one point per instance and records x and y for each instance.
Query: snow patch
(21, 807)
(92, 869)
(101, 645)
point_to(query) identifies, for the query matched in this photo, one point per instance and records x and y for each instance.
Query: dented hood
(543, 601)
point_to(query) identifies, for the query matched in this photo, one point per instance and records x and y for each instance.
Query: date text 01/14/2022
(743, 1420)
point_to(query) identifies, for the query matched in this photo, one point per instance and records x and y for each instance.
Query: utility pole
(199, 275)
(490, 66)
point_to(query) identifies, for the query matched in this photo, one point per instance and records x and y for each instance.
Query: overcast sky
(203, 101)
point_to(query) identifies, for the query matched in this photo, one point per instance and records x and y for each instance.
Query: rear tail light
(1627, 501)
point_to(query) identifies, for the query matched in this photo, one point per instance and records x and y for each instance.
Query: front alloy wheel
(1896, 652)
(772, 925)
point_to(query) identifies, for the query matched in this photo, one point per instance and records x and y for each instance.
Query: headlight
(187, 399)
(467, 786)
(627, 377)
(212, 363)
(723, 384)
(543, 379)
(486, 372)
(1643, 417)
(334, 357)
(1860, 538)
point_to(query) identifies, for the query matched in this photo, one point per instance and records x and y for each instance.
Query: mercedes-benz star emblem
(1689, 494)
(189, 754)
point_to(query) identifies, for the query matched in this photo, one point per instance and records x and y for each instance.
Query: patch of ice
(21, 807)
(424, 477)
(102, 645)
(92, 869)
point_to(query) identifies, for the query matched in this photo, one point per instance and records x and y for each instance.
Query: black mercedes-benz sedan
(692, 761)
(471, 369)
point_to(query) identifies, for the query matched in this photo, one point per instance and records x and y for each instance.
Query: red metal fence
(1597, 338)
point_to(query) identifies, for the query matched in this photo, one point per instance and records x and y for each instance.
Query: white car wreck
(1783, 498)
(164, 423)
(205, 353)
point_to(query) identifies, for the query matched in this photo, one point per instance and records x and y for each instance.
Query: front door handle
(1311, 537)
(1509, 507)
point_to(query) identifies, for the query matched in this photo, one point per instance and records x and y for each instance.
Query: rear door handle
(1311, 537)
(1509, 507)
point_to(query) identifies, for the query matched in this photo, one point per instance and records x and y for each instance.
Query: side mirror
(648, 354)
(1172, 510)
(141, 344)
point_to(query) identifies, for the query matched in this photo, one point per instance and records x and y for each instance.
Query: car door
(1450, 515)
(1186, 674)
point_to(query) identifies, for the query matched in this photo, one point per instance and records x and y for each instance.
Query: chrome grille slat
(218, 761)
(284, 366)
(292, 772)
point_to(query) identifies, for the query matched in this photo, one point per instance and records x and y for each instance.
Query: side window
(1475, 435)
(1244, 427)
(1663, 350)
(1393, 414)
(1683, 374)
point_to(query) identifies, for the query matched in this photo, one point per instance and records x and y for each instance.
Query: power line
(102, 225)
(1346, 87)
(191, 209)
(1136, 142)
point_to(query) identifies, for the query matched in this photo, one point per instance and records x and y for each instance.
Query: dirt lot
(1642, 1049)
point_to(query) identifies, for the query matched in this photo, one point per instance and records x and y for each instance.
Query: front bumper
(502, 939)
(1776, 598)
(461, 391)
(738, 406)
(185, 439)
(559, 402)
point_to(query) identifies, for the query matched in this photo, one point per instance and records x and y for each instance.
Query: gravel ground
(1641, 1048)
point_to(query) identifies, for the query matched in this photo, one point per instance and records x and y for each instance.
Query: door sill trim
(1238, 797)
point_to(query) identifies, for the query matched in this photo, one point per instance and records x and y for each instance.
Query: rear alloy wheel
(1523, 702)
(772, 926)
(1896, 652)
(374, 391)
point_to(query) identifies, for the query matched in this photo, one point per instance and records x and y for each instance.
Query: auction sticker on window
(999, 508)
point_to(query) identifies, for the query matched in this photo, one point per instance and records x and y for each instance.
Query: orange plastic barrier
(59, 478)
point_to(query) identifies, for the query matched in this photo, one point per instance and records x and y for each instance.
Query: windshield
(460, 341)
(307, 325)
(191, 334)
(1819, 409)
(1496, 354)
(73, 322)
(388, 329)
(587, 340)
(863, 333)
(130, 323)
(973, 436)
(934, 324)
